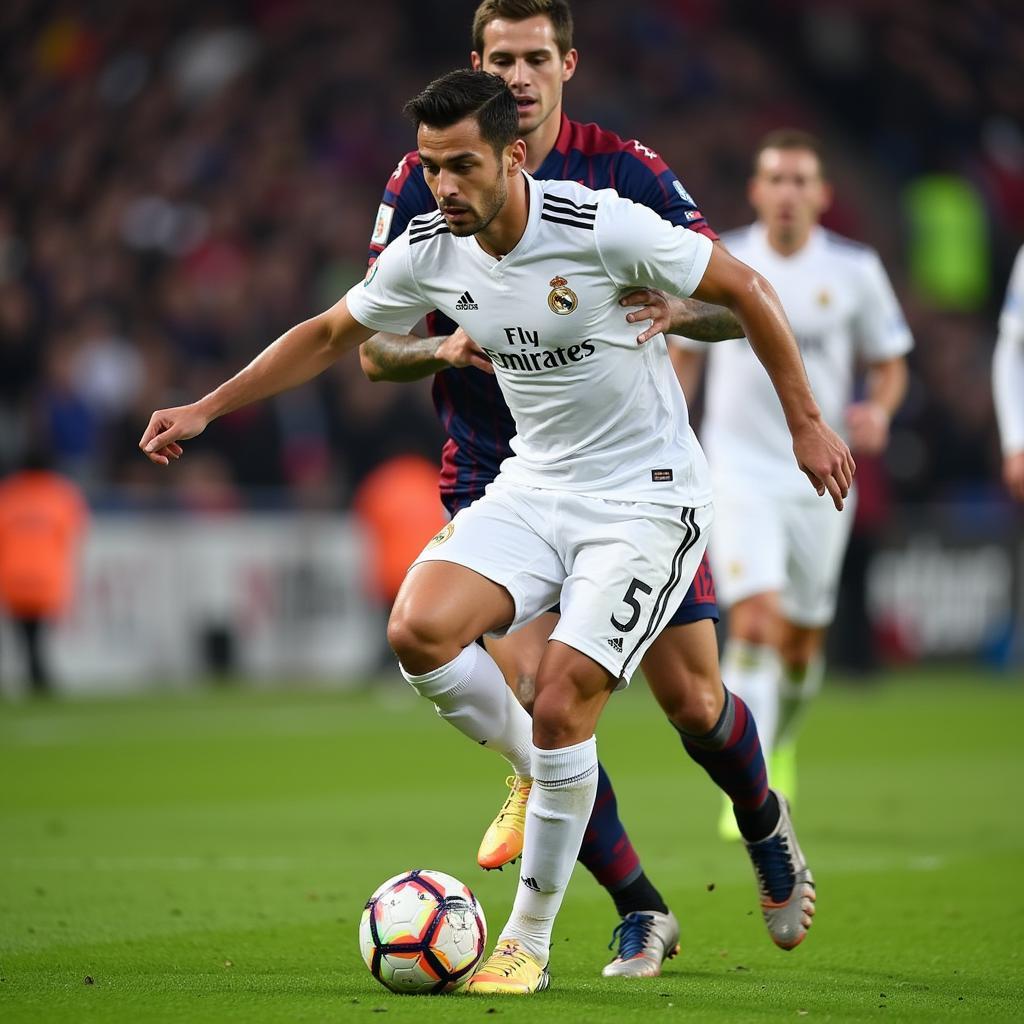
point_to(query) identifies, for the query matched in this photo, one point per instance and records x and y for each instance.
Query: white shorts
(790, 546)
(619, 569)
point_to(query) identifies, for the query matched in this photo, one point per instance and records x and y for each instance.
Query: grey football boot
(646, 938)
(784, 882)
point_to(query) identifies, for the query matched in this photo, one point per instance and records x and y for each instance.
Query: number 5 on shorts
(630, 599)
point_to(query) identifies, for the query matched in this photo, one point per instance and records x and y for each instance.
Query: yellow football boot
(503, 841)
(510, 971)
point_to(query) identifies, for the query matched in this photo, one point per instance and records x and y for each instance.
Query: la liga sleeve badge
(441, 536)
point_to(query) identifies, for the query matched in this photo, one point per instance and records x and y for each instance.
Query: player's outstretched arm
(820, 452)
(405, 357)
(400, 357)
(297, 356)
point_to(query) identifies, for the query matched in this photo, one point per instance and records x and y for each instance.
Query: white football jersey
(595, 412)
(841, 306)
(1008, 363)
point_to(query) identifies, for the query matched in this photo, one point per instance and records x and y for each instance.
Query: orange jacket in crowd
(42, 521)
(399, 506)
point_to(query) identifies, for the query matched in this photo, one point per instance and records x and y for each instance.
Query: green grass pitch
(206, 858)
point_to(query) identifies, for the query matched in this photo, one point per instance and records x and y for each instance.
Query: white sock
(564, 787)
(751, 671)
(470, 692)
(797, 688)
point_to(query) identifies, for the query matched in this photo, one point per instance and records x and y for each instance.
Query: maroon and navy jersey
(468, 401)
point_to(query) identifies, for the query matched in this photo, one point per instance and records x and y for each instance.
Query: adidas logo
(616, 644)
(466, 302)
(531, 883)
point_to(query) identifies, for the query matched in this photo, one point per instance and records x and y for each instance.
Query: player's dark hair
(464, 93)
(556, 11)
(791, 138)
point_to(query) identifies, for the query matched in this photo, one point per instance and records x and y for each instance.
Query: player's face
(788, 191)
(468, 179)
(526, 55)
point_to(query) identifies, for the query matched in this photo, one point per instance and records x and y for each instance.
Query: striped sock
(731, 754)
(607, 852)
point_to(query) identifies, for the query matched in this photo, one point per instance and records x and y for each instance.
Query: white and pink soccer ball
(422, 933)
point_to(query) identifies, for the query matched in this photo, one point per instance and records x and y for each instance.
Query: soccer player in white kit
(775, 557)
(1008, 380)
(606, 502)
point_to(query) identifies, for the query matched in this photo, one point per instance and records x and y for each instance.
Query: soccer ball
(422, 932)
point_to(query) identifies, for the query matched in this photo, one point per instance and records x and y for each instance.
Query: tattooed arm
(398, 357)
(703, 322)
(690, 318)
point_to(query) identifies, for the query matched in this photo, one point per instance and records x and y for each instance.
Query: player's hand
(1013, 474)
(654, 305)
(460, 350)
(825, 459)
(868, 426)
(169, 426)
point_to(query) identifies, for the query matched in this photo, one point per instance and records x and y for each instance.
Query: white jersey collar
(536, 194)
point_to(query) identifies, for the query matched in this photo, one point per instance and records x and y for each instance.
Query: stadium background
(179, 183)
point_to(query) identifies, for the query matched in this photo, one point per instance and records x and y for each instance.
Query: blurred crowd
(180, 183)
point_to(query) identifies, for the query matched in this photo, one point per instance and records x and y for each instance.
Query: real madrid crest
(561, 299)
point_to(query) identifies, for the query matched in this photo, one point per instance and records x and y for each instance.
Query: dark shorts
(699, 603)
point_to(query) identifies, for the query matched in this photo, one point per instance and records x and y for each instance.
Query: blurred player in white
(1008, 380)
(775, 557)
(605, 504)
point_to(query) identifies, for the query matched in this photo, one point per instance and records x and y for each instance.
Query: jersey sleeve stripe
(424, 232)
(575, 214)
(423, 236)
(562, 201)
(587, 226)
(423, 223)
